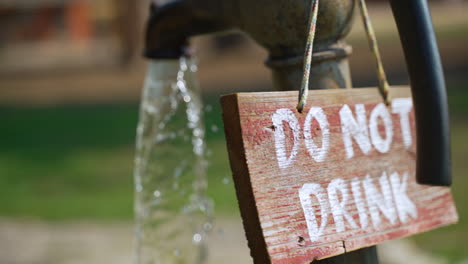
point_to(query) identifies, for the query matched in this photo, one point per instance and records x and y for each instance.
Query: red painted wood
(268, 195)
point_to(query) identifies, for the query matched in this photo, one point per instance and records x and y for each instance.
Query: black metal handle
(428, 87)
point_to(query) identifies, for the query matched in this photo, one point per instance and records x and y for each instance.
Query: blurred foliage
(67, 162)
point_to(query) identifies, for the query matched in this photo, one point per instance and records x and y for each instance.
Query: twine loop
(383, 85)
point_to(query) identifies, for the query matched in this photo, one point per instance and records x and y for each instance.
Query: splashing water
(173, 215)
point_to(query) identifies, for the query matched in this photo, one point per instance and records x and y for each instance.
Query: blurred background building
(71, 73)
(67, 33)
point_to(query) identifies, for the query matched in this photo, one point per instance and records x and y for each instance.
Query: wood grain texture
(273, 216)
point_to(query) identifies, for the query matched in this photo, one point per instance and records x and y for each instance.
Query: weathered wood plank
(336, 178)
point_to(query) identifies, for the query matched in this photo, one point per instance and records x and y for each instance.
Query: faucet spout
(171, 25)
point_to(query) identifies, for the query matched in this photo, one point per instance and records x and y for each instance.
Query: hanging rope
(381, 76)
(304, 90)
(383, 84)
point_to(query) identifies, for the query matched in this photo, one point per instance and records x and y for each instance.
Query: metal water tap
(280, 26)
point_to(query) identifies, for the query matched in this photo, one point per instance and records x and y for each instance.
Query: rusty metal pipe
(279, 26)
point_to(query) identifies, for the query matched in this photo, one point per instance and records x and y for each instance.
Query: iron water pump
(280, 26)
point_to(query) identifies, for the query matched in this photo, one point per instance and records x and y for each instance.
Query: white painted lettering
(389, 199)
(318, 154)
(381, 145)
(338, 207)
(305, 194)
(402, 107)
(357, 194)
(356, 129)
(280, 116)
(405, 206)
(382, 202)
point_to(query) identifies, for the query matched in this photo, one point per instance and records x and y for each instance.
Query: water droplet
(160, 137)
(208, 108)
(150, 109)
(180, 75)
(197, 238)
(226, 180)
(157, 194)
(183, 66)
(197, 132)
(214, 128)
(193, 68)
(139, 188)
(198, 142)
(177, 252)
(198, 146)
(207, 226)
(187, 98)
(181, 84)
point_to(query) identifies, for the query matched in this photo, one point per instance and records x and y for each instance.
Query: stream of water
(173, 214)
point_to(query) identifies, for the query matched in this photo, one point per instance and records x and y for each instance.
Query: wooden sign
(336, 178)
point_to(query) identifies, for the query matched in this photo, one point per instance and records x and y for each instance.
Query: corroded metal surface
(329, 69)
(280, 26)
(282, 29)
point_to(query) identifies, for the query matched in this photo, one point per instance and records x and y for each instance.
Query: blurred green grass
(75, 162)
(452, 242)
